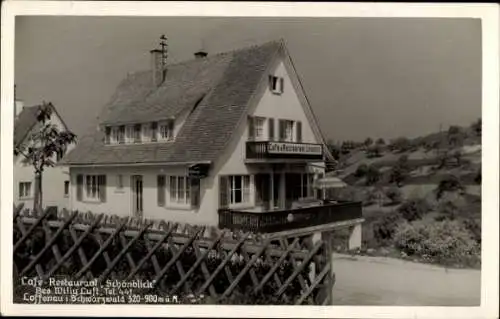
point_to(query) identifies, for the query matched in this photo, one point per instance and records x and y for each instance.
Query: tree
(394, 195)
(449, 183)
(361, 170)
(414, 209)
(400, 171)
(477, 127)
(456, 136)
(401, 144)
(374, 151)
(368, 142)
(380, 141)
(372, 175)
(45, 143)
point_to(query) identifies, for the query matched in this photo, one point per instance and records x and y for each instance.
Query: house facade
(55, 180)
(181, 142)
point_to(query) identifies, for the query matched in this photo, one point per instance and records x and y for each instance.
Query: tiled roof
(224, 82)
(24, 123)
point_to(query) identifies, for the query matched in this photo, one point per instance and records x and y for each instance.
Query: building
(55, 180)
(230, 133)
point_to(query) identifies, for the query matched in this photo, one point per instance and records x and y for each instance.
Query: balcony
(283, 150)
(281, 220)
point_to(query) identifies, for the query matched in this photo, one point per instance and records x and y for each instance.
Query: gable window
(137, 133)
(167, 130)
(256, 127)
(276, 84)
(95, 187)
(24, 190)
(66, 188)
(286, 130)
(179, 190)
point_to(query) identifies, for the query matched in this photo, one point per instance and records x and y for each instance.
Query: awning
(330, 182)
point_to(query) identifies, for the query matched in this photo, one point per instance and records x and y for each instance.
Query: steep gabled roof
(27, 120)
(220, 86)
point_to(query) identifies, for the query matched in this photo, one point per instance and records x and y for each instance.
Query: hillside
(410, 187)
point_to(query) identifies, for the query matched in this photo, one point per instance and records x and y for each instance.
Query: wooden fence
(207, 264)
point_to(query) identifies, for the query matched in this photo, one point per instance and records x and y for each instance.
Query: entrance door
(137, 208)
(263, 190)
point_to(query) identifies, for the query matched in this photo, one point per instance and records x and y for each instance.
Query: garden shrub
(450, 183)
(444, 242)
(385, 227)
(361, 170)
(414, 209)
(394, 194)
(372, 175)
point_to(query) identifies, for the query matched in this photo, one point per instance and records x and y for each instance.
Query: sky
(376, 77)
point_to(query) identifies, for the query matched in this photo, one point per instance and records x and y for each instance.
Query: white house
(229, 132)
(55, 180)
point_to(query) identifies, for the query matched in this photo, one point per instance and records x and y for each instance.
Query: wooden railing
(275, 221)
(271, 149)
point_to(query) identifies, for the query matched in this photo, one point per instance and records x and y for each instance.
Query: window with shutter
(161, 190)
(281, 129)
(79, 188)
(282, 85)
(299, 131)
(195, 192)
(223, 192)
(271, 129)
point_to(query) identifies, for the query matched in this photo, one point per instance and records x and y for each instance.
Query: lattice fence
(204, 265)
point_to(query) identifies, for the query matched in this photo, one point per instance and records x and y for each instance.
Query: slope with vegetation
(421, 197)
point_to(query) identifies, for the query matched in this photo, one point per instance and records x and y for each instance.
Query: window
(239, 189)
(146, 133)
(66, 188)
(24, 189)
(121, 134)
(179, 190)
(137, 133)
(119, 181)
(256, 127)
(286, 130)
(302, 185)
(167, 131)
(276, 84)
(95, 187)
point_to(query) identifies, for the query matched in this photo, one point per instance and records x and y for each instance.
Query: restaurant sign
(295, 148)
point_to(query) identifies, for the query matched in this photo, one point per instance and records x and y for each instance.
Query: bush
(372, 175)
(394, 195)
(361, 170)
(385, 227)
(444, 242)
(450, 183)
(414, 209)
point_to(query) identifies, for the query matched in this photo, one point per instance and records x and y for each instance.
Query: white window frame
(25, 190)
(289, 130)
(91, 190)
(276, 84)
(307, 180)
(146, 133)
(115, 135)
(246, 195)
(129, 134)
(259, 128)
(179, 191)
(164, 133)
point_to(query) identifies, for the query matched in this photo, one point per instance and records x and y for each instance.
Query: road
(382, 281)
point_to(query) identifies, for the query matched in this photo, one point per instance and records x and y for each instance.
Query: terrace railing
(281, 220)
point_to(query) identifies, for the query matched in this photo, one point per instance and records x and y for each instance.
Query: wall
(52, 180)
(119, 202)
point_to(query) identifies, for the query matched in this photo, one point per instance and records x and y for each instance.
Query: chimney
(200, 54)
(157, 66)
(159, 62)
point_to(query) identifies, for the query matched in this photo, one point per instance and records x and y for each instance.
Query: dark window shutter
(101, 181)
(223, 192)
(171, 128)
(281, 128)
(154, 131)
(251, 128)
(271, 82)
(195, 192)
(107, 137)
(271, 129)
(161, 190)
(282, 85)
(299, 131)
(79, 187)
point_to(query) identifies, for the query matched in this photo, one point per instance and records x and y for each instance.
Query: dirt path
(384, 281)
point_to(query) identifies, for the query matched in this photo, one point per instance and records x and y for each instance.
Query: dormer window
(276, 84)
(167, 130)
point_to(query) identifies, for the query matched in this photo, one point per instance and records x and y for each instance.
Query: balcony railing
(283, 150)
(275, 221)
